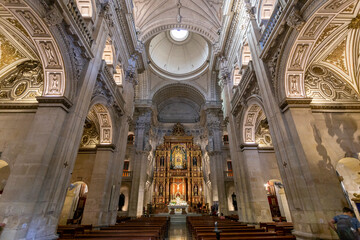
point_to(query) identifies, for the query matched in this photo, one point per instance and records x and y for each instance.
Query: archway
(74, 203)
(277, 200)
(348, 170)
(4, 175)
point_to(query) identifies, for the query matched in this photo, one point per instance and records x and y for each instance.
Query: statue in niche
(162, 161)
(196, 190)
(194, 161)
(121, 202)
(160, 190)
(234, 202)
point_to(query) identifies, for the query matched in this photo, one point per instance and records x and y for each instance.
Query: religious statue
(160, 190)
(195, 190)
(162, 161)
(234, 202)
(194, 161)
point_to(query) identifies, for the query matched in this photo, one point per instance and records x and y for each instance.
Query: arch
(304, 46)
(46, 45)
(249, 123)
(4, 175)
(180, 90)
(277, 200)
(230, 193)
(125, 190)
(74, 203)
(105, 123)
(348, 170)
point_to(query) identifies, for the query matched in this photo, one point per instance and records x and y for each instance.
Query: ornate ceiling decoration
(330, 38)
(21, 72)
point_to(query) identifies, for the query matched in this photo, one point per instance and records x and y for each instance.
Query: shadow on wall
(344, 128)
(325, 163)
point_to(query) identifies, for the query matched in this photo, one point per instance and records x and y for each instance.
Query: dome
(178, 52)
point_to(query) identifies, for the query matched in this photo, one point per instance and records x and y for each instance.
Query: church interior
(178, 119)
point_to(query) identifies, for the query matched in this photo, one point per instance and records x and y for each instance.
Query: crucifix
(178, 18)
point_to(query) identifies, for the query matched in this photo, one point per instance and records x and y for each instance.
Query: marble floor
(178, 231)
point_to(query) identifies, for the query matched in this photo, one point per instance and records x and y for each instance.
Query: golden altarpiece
(178, 176)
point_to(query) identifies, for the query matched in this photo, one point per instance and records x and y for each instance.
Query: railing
(229, 176)
(229, 173)
(271, 25)
(127, 173)
(75, 13)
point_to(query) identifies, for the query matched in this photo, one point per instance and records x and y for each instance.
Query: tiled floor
(178, 231)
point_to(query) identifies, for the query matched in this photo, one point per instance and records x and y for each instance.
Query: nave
(179, 227)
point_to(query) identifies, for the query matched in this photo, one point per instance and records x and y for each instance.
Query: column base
(307, 236)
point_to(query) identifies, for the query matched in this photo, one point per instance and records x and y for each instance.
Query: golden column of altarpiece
(178, 172)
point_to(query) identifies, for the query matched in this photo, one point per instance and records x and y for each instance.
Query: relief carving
(294, 85)
(54, 83)
(90, 136)
(295, 20)
(336, 4)
(106, 136)
(23, 83)
(322, 84)
(337, 57)
(50, 54)
(299, 56)
(262, 134)
(248, 135)
(314, 27)
(32, 22)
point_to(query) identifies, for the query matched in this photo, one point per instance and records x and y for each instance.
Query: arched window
(85, 8)
(118, 76)
(108, 54)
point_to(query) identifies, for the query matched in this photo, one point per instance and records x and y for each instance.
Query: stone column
(37, 186)
(241, 187)
(140, 163)
(118, 166)
(259, 206)
(308, 186)
(19, 202)
(101, 188)
(217, 163)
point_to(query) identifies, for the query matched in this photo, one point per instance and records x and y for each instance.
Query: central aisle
(178, 231)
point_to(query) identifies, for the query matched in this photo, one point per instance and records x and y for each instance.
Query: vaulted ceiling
(201, 16)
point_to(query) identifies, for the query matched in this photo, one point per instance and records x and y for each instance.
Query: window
(179, 35)
(108, 54)
(85, 8)
(118, 76)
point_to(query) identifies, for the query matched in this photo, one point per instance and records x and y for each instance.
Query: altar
(178, 174)
(178, 206)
